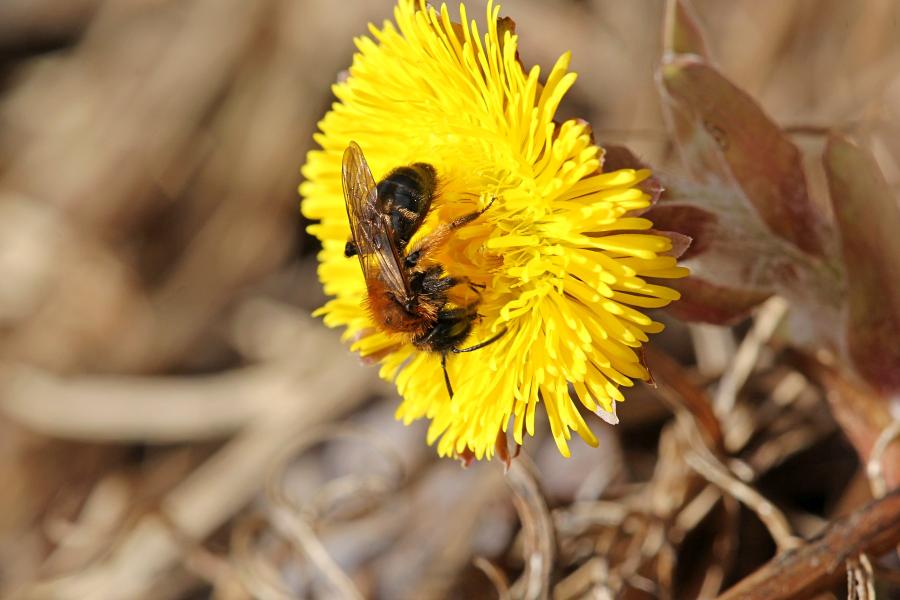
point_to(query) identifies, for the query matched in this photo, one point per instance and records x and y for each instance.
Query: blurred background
(174, 424)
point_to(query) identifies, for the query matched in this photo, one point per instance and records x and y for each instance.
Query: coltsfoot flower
(565, 261)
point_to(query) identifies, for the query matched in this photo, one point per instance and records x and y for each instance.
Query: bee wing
(378, 254)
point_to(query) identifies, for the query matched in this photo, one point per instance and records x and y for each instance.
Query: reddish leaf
(868, 219)
(709, 303)
(681, 34)
(695, 223)
(721, 129)
(861, 413)
(620, 157)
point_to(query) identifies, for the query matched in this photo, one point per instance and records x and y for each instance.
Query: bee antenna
(446, 375)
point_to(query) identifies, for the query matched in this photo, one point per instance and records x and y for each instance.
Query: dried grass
(173, 424)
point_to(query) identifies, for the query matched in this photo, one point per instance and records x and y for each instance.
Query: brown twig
(812, 567)
(680, 392)
(293, 521)
(496, 575)
(133, 408)
(593, 577)
(875, 466)
(767, 319)
(256, 575)
(537, 526)
(216, 490)
(860, 579)
(709, 467)
(300, 534)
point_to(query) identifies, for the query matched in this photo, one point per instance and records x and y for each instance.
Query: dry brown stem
(216, 490)
(257, 576)
(154, 358)
(813, 566)
(139, 409)
(680, 393)
(717, 473)
(860, 578)
(767, 319)
(294, 528)
(496, 575)
(875, 467)
(537, 526)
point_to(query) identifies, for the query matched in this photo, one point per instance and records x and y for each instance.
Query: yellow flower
(563, 259)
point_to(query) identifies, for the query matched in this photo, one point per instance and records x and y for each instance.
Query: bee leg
(431, 282)
(446, 376)
(489, 204)
(469, 217)
(447, 282)
(481, 345)
(438, 237)
(475, 287)
(350, 249)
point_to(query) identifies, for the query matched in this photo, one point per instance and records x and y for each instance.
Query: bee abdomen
(417, 178)
(405, 196)
(451, 328)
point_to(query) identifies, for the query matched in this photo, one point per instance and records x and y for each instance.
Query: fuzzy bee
(407, 290)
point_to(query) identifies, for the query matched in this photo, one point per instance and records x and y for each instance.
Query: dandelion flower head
(566, 263)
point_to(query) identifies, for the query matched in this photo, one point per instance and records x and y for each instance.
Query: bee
(407, 290)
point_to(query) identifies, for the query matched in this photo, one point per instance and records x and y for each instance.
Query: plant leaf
(721, 130)
(868, 220)
(707, 302)
(681, 33)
